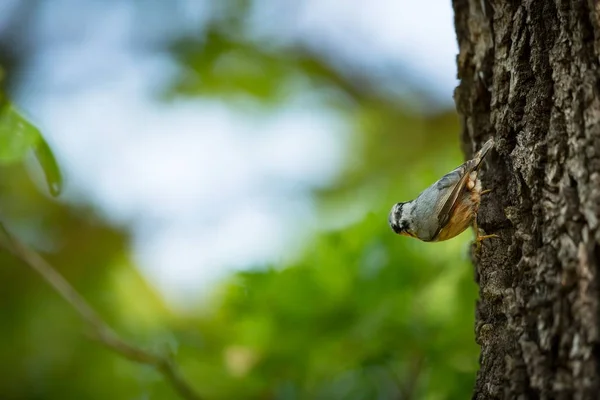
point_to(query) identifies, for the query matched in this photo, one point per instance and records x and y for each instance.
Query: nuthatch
(446, 208)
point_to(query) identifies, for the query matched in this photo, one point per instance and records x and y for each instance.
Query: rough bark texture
(529, 74)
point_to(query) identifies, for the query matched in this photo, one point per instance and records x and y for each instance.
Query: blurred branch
(213, 74)
(100, 329)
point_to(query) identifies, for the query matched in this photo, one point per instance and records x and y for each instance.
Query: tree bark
(529, 77)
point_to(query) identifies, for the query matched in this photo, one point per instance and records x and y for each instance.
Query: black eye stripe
(403, 226)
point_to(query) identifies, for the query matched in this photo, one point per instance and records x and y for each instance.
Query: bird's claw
(479, 238)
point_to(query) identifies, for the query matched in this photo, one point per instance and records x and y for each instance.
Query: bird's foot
(479, 238)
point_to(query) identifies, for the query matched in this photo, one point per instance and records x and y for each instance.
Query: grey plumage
(432, 210)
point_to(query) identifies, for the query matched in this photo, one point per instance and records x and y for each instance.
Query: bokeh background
(229, 167)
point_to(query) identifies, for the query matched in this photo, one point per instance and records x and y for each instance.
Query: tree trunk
(529, 73)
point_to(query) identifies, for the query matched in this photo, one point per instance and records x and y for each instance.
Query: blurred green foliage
(363, 314)
(360, 314)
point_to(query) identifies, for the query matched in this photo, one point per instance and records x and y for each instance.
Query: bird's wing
(463, 171)
(459, 186)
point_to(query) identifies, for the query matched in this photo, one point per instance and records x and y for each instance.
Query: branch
(100, 329)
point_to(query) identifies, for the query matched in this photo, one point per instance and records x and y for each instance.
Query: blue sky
(206, 188)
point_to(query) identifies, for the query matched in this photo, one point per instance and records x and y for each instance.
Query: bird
(446, 208)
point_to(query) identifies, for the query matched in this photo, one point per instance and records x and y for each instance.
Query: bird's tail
(487, 146)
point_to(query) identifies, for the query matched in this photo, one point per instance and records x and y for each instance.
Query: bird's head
(399, 219)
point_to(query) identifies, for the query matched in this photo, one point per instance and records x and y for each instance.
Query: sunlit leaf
(18, 137)
(49, 165)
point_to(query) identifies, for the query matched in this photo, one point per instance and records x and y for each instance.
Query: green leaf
(18, 137)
